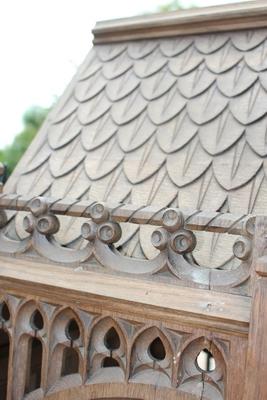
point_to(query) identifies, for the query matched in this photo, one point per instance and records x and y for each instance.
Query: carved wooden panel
(61, 348)
(174, 242)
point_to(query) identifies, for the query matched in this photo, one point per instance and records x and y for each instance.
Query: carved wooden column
(256, 367)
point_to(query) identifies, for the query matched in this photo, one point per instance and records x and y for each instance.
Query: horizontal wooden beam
(201, 308)
(243, 15)
(151, 215)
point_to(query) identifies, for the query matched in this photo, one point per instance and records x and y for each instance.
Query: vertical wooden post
(256, 365)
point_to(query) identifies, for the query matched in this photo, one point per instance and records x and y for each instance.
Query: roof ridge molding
(235, 16)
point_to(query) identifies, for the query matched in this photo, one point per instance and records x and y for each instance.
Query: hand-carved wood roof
(177, 121)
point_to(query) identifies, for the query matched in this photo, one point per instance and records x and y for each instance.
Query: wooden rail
(194, 219)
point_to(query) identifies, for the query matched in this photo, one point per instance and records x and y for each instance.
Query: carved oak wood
(174, 240)
(213, 19)
(113, 348)
(75, 329)
(114, 283)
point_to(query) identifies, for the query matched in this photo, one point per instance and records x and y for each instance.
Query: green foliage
(174, 5)
(171, 6)
(32, 120)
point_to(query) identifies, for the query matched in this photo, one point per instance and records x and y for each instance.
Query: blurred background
(42, 43)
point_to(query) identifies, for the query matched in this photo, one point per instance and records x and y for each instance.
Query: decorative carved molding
(174, 240)
(209, 19)
(83, 348)
(198, 220)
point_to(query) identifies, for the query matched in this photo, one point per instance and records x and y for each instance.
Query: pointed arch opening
(107, 349)
(73, 330)
(70, 361)
(4, 361)
(157, 350)
(152, 357)
(34, 365)
(4, 312)
(203, 360)
(112, 339)
(37, 321)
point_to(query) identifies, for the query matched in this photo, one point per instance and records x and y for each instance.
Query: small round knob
(89, 230)
(109, 232)
(38, 206)
(159, 238)
(183, 241)
(99, 213)
(172, 219)
(48, 224)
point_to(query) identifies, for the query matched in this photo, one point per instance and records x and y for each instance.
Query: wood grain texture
(121, 392)
(194, 219)
(232, 309)
(173, 240)
(256, 364)
(237, 16)
(255, 386)
(183, 334)
(175, 123)
(169, 122)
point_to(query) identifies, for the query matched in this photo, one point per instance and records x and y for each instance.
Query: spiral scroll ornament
(242, 248)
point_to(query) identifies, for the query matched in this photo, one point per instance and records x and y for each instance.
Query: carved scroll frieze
(173, 238)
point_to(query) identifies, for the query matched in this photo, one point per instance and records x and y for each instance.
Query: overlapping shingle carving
(171, 122)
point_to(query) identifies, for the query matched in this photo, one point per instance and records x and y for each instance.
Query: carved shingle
(169, 122)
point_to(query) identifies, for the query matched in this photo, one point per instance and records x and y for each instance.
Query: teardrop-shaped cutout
(37, 321)
(205, 361)
(73, 330)
(156, 350)
(109, 362)
(4, 312)
(112, 339)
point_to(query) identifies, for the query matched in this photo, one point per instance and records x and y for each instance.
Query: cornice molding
(237, 16)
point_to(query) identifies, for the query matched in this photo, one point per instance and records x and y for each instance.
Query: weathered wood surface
(169, 122)
(161, 123)
(247, 15)
(256, 365)
(122, 392)
(173, 242)
(148, 215)
(139, 316)
(231, 312)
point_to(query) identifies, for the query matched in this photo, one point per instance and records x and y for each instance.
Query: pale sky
(43, 41)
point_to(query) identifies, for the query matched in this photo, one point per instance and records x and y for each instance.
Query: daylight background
(42, 43)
